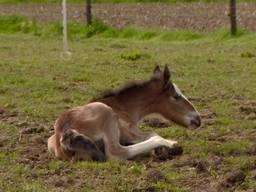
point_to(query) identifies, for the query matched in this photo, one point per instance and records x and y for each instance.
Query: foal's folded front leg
(113, 148)
(148, 145)
(132, 134)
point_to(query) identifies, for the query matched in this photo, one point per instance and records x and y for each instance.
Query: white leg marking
(51, 144)
(148, 145)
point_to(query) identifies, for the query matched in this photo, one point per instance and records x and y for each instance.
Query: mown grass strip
(18, 24)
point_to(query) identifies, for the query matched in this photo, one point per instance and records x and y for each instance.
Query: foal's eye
(177, 97)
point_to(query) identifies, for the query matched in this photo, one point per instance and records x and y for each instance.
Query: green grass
(12, 24)
(216, 69)
(77, 31)
(118, 1)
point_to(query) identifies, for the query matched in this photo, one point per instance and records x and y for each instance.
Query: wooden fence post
(88, 12)
(232, 15)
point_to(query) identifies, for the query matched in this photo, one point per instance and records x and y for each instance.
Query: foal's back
(87, 120)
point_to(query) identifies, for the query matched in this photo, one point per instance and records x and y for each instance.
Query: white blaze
(178, 91)
(190, 115)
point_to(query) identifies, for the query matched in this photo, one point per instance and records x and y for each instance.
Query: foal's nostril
(196, 121)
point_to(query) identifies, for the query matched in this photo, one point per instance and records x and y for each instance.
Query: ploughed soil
(191, 16)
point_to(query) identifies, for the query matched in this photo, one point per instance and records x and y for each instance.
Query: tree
(232, 15)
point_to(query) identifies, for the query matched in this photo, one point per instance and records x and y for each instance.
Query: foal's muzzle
(193, 120)
(196, 121)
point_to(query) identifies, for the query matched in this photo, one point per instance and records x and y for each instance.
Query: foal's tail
(80, 147)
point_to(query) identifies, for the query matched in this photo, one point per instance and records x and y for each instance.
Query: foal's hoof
(176, 150)
(165, 153)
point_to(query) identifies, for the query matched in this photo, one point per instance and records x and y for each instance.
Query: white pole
(65, 32)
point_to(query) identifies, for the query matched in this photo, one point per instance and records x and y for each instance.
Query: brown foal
(113, 118)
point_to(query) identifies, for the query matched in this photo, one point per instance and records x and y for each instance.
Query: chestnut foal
(113, 118)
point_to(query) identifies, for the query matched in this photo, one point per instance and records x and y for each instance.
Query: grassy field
(216, 71)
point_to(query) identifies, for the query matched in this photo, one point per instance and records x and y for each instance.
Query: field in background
(76, 31)
(197, 17)
(119, 1)
(216, 71)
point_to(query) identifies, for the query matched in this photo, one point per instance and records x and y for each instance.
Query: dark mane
(129, 88)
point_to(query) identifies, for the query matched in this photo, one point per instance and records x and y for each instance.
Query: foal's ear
(167, 74)
(157, 73)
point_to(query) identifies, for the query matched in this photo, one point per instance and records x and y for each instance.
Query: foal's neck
(132, 109)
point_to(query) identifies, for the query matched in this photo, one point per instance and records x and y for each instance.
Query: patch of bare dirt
(250, 166)
(65, 182)
(32, 145)
(4, 140)
(31, 141)
(200, 172)
(252, 150)
(212, 174)
(232, 178)
(7, 116)
(202, 166)
(1, 110)
(156, 175)
(199, 183)
(208, 118)
(23, 122)
(35, 156)
(193, 16)
(147, 189)
(248, 110)
(199, 166)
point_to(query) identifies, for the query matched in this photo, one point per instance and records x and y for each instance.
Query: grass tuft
(134, 55)
(247, 54)
(12, 24)
(224, 34)
(180, 36)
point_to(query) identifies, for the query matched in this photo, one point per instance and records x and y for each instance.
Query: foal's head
(171, 103)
